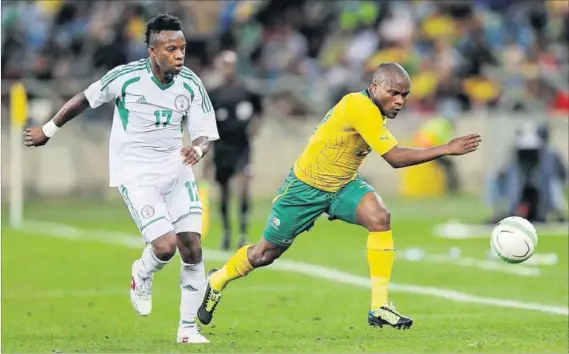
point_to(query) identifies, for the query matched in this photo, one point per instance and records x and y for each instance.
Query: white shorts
(164, 204)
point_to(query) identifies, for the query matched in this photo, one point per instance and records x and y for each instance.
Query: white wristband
(49, 129)
(198, 150)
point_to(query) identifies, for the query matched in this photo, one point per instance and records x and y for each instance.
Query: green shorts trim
(297, 205)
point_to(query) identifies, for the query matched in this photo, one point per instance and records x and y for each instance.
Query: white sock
(192, 286)
(148, 263)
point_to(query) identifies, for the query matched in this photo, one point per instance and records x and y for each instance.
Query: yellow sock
(380, 256)
(236, 267)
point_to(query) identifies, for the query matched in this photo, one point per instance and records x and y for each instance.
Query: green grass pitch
(71, 295)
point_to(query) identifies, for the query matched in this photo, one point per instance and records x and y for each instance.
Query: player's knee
(165, 247)
(379, 221)
(164, 251)
(194, 255)
(190, 247)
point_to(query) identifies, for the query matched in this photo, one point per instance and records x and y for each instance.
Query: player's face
(169, 51)
(390, 95)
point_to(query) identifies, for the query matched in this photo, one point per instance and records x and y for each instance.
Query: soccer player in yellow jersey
(325, 179)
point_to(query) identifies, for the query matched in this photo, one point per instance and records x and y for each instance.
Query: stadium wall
(75, 162)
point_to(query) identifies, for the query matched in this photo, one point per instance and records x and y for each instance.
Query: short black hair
(162, 22)
(389, 68)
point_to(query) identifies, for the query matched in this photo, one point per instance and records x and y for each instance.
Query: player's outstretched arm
(39, 136)
(399, 157)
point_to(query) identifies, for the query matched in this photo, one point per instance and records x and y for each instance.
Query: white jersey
(149, 119)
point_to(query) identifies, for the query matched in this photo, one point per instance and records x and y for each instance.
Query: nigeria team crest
(147, 211)
(182, 103)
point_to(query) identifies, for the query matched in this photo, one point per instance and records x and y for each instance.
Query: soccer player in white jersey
(155, 100)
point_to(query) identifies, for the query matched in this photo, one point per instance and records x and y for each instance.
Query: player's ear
(373, 87)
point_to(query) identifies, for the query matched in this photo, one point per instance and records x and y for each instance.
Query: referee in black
(238, 112)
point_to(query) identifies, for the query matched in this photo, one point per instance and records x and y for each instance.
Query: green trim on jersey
(124, 193)
(160, 85)
(189, 75)
(155, 80)
(123, 112)
(127, 69)
(192, 94)
(152, 222)
(122, 68)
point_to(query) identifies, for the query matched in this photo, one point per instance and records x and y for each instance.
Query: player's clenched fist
(191, 155)
(35, 136)
(464, 144)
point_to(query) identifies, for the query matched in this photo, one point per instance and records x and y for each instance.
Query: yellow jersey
(341, 142)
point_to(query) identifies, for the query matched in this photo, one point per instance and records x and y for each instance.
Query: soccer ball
(513, 239)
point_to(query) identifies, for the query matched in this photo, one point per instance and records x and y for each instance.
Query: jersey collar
(366, 93)
(155, 79)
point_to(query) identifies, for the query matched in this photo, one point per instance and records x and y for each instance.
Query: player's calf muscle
(263, 254)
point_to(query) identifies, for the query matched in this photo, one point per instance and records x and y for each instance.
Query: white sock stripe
(192, 264)
(194, 267)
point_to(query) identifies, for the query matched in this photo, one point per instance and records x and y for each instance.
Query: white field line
(337, 276)
(458, 231)
(487, 265)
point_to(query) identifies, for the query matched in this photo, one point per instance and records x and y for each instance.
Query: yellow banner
(204, 193)
(18, 105)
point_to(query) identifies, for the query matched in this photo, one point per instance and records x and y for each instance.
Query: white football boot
(191, 335)
(141, 292)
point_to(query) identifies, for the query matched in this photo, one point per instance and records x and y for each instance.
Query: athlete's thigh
(148, 210)
(223, 173)
(183, 202)
(295, 209)
(346, 202)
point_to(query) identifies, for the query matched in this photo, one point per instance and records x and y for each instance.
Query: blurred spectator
(437, 131)
(533, 181)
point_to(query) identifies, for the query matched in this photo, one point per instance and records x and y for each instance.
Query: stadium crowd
(461, 55)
